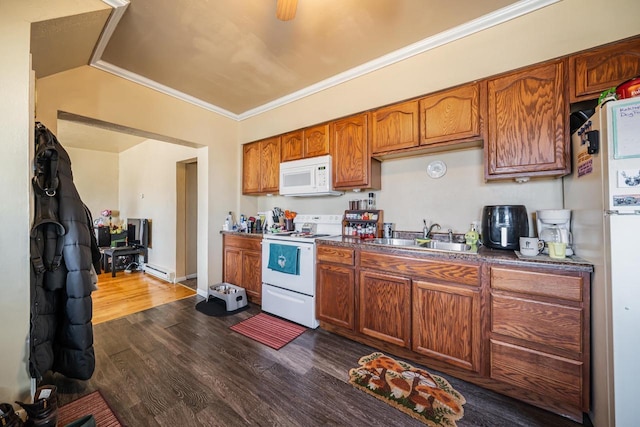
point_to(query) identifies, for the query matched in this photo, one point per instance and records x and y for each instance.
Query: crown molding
(119, 8)
(500, 16)
(136, 78)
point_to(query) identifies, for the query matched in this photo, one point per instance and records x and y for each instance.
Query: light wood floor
(129, 293)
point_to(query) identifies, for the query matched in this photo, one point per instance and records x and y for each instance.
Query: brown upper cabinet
(395, 127)
(598, 69)
(444, 118)
(452, 115)
(305, 143)
(291, 146)
(316, 141)
(353, 166)
(528, 123)
(522, 117)
(261, 166)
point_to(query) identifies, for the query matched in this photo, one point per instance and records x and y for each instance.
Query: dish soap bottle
(471, 237)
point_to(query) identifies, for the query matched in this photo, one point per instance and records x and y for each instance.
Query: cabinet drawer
(336, 255)
(250, 243)
(536, 283)
(543, 323)
(463, 274)
(552, 378)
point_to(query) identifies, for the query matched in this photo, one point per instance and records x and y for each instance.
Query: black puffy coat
(61, 335)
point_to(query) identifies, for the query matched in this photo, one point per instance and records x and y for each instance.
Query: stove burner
(309, 235)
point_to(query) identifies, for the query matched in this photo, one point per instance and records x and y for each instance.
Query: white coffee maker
(554, 225)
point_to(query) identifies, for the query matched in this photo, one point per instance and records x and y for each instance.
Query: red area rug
(414, 391)
(269, 330)
(91, 404)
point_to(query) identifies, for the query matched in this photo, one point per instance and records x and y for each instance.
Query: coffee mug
(557, 250)
(531, 246)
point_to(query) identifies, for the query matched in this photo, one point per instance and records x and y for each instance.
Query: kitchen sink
(434, 245)
(446, 246)
(393, 242)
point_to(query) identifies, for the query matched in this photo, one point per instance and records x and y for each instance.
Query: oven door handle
(300, 247)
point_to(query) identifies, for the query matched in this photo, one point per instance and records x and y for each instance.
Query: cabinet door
(316, 141)
(547, 324)
(233, 266)
(352, 163)
(602, 68)
(252, 275)
(335, 295)
(394, 127)
(385, 307)
(526, 120)
(251, 168)
(450, 115)
(291, 146)
(535, 376)
(270, 165)
(446, 323)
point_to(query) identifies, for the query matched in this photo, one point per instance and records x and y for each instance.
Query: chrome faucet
(450, 235)
(426, 231)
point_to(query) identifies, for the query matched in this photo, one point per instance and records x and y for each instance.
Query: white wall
(16, 133)
(95, 175)
(409, 195)
(89, 92)
(148, 190)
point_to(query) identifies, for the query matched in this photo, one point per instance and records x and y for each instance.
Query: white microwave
(307, 177)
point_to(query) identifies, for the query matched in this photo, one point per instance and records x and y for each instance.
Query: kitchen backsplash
(409, 194)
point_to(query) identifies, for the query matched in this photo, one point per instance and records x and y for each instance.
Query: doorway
(187, 221)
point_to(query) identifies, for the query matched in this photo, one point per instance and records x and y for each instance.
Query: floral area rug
(424, 396)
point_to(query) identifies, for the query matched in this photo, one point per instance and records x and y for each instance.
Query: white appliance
(289, 295)
(554, 225)
(307, 177)
(603, 193)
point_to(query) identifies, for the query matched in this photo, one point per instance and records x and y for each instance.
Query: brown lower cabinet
(336, 299)
(520, 329)
(385, 309)
(540, 341)
(446, 323)
(242, 264)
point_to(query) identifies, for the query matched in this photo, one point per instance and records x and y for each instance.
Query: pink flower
(106, 212)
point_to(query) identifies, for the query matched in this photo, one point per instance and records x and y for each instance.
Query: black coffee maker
(503, 225)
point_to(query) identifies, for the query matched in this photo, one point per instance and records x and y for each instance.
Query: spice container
(371, 201)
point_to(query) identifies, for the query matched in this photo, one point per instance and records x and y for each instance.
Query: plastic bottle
(228, 222)
(472, 236)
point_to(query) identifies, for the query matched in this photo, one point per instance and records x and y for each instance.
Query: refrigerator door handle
(616, 212)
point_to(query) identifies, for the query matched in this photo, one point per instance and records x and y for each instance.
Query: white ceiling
(236, 58)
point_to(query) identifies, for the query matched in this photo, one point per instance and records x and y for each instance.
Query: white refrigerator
(603, 193)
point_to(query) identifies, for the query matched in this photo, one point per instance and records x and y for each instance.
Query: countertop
(495, 256)
(241, 234)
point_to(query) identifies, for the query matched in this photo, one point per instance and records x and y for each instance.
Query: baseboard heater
(160, 272)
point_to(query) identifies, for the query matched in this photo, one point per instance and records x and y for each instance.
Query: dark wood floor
(174, 366)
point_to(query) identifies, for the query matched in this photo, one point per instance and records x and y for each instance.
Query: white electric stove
(287, 294)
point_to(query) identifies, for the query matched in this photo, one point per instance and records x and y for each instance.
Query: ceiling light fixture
(286, 9)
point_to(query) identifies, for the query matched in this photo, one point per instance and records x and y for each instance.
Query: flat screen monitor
(138, 231)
